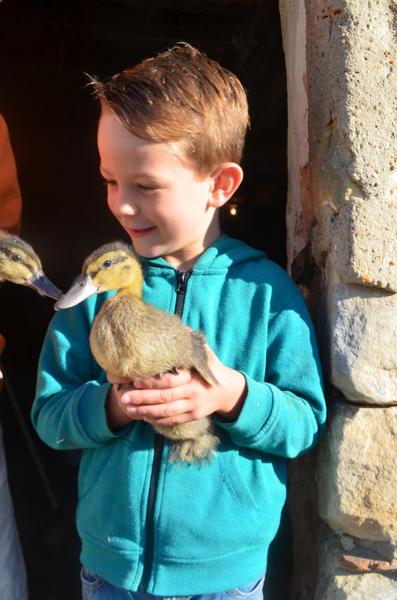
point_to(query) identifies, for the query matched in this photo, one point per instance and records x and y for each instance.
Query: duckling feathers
(136, 340)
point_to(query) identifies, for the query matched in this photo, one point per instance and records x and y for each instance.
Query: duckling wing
(200, 357)
(136, 340)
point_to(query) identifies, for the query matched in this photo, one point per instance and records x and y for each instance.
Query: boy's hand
(115, 408)
(177, 398)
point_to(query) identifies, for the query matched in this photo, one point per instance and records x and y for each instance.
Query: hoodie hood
(223, 253)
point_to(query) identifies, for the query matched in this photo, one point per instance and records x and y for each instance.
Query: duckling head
(113, 266)
(21, 265)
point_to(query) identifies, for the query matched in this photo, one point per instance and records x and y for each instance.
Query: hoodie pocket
(242, 477)
(111, 502)
(205, 511)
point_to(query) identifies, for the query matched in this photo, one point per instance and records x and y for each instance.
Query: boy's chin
(144, 252)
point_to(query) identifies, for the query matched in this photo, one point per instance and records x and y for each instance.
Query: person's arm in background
(13, 579)
(10, 195)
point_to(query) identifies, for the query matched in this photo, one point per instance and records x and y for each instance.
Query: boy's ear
(226, 180)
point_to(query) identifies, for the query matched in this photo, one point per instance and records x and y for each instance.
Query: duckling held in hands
(21, 265)
(136, 340)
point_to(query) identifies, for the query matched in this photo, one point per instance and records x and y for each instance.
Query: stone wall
(341, 58)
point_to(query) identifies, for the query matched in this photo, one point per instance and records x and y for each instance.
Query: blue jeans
(95, 588)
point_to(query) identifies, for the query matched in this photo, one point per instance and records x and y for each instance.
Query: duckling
(21, 265)
(136, 340)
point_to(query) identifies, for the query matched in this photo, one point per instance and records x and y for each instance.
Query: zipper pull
(181, 279)
(181, 283)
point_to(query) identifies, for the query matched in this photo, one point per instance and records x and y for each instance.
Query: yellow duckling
(21, 265)
(136, 340)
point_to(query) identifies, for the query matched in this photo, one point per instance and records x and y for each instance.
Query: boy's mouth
(136, 233)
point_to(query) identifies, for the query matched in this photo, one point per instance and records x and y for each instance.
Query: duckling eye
(16, 258)
(106, 264)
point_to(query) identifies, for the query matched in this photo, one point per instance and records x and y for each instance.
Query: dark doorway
(45, 49)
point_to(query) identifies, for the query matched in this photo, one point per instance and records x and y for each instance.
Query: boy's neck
(187, 260)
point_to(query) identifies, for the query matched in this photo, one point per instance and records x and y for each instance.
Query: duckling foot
(193, 451)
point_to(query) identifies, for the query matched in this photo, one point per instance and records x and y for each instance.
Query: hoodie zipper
(182, 278)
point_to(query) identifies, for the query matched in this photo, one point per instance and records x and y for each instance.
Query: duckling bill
(136, 340)
(20, 264)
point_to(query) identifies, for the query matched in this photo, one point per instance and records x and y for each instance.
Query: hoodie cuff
(254, 414)
(92, 413)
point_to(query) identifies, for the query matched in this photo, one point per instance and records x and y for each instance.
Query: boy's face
(160, 202)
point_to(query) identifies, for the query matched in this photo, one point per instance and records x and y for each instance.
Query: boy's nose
(123, 205)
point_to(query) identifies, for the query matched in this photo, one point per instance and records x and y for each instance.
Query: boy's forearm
(276, 421)
(69, 410)
(284, 414)
(73, 418)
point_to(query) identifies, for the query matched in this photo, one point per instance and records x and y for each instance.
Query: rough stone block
(364, 242)
(352, 93)
(363, 342)
(369, 586)
(357, 473)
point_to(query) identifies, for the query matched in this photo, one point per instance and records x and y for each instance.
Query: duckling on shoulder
(136, 340)
(21, 265)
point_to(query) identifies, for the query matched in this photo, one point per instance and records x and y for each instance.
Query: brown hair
(184, 98)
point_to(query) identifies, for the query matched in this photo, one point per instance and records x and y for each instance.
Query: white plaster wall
(293, 17)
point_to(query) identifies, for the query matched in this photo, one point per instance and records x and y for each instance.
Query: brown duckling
(136, 340)
(21, 265)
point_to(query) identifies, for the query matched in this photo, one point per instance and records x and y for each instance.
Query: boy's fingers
(168, 380)
(154, 412)
(160, 396)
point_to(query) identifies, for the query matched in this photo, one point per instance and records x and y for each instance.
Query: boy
(170, 139)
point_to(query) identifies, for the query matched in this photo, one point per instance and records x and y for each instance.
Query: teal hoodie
(177, 529)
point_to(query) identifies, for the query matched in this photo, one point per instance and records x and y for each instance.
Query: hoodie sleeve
(69, 408)
(285, 414)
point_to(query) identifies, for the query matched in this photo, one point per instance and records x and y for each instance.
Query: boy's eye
(147, 188)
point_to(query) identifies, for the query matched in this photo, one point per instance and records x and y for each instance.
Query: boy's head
(170, 138)
(182, 98)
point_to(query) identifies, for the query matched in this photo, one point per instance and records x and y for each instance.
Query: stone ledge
(360, 563)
